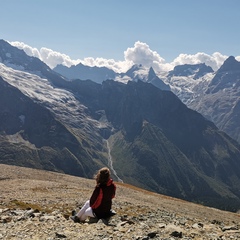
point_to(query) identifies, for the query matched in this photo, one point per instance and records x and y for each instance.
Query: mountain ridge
(197, 70)
(218, 100)
(187, 159)
(189, 82)
(80, 71)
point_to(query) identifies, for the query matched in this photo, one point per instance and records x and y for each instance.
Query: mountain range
(146, 129)
(214, 94)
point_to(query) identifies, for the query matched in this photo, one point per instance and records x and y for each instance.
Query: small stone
(161, 225)
(46, 218)
(197, 225)
(216, 222)
(123, 223)
(200, 225)
(21, 218)
(176, 234)
(183, 221)
(228, 228)
(152, 234)
(37, 214)
(30, 212)
(6, 219)
(60, 235)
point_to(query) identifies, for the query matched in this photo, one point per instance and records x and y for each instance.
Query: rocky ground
(37, 204)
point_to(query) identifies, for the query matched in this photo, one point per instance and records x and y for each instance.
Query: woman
(100, 203)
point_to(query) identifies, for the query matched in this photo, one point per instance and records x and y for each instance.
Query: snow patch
(14, 66)
(22, 119)
(59, 101)
(8, 55)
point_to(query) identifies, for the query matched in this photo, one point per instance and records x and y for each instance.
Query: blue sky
(107, 28)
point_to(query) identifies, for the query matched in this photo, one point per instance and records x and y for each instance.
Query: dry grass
(49, 191)
(22, 205)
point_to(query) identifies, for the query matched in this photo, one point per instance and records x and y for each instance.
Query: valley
(146, 129)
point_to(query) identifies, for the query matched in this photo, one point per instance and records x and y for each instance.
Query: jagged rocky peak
(151, 73)
(230, 64)
(156, 81)
(227, 77)
(195, 70)
(145, 74)
(137, 72)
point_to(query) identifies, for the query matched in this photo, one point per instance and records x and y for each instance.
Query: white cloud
(117, 66)
(215, 60)
(140, 53)
(53, 58)
(28, 49)
(50, 57)
(238, 58)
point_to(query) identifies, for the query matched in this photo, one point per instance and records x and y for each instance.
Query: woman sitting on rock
(100, 203)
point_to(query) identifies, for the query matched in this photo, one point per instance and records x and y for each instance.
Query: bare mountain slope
(36, 204)
(221, 99)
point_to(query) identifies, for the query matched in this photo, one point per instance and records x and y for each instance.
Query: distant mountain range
(214, 94)
(100, 74)
(141, 129)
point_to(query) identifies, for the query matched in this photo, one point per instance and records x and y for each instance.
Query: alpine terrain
(43, 207)
(140, 129)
